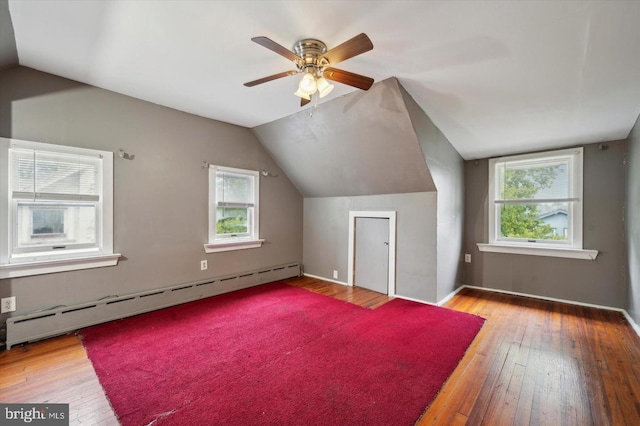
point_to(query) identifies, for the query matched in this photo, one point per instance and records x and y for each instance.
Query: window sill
(570, 253)
(25, 269)
(232, 245)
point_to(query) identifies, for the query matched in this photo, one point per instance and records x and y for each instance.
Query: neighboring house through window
(57, 208)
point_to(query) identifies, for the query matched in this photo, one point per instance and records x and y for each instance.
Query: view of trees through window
(235, 203)
(231, 221)
(527, 220)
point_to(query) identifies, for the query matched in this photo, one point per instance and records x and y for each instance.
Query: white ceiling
(496, 77)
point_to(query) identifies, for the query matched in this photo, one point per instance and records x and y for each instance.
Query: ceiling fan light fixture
(304, 95)
(308, 84)
(324, 87)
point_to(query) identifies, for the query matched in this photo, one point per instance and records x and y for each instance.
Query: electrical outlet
(8, 304)
(467, 258)
(335, 275)
(203, 265)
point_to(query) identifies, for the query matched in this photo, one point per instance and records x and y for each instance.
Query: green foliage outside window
(523, 220)
(232, 221)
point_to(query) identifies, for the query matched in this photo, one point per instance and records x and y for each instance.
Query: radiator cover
(43, 324)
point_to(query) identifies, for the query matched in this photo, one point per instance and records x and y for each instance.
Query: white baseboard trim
(325, 279)
(630, 320)
(411, 299)
(450, 296)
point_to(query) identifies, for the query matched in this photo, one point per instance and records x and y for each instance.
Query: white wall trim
(324, 279)
(391, 215)
(630, 320)
(450, 296)
(411, 299)
(15, 270)
(232, 245)
(571, 253)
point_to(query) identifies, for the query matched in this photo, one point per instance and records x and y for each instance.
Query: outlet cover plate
(8, 304)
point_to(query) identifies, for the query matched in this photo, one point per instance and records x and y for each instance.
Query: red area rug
(276, 354)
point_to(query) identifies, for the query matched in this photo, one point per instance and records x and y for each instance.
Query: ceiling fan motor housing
(310, 50)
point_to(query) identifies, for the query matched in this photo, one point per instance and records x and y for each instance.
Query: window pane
(234, 188)
(534, 180)
(55, 173)
(47, 221)
(544, 221)
(232, 221)
(43, 225)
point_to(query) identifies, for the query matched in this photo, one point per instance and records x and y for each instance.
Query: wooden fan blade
(280, 50)
(350, 48)
(304, 101)
(348, 78)
(269, 78)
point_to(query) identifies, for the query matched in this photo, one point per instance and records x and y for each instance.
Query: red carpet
(279, 355)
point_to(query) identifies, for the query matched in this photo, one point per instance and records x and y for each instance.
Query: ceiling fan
(312, 58)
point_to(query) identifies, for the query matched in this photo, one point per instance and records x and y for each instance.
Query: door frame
(391, 215)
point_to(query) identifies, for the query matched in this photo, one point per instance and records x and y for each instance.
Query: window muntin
(233, 203)
(533, 194)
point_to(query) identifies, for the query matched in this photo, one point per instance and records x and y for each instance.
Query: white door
(371, 269)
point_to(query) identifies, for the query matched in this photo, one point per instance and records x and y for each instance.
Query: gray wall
(160, 195)
(326, 237)
(368, 149)
(600, 282)
(632, 221)
(360, 144)
(447, 170)
(8, 51)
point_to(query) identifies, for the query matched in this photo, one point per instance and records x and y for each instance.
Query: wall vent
(64, 319)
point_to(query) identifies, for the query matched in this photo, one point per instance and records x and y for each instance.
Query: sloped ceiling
(360, 144)
(496, 77)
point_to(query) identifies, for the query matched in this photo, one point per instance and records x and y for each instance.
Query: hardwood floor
(533, 363)
(542, 363)
(355, 295)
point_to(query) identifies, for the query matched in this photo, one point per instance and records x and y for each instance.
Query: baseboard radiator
(61, 320)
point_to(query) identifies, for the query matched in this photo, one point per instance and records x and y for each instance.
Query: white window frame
(572, 247)
(219, 244)
(19, 264)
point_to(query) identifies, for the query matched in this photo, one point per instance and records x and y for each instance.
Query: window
(532, 196)
(233, 209)
(56, 208)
